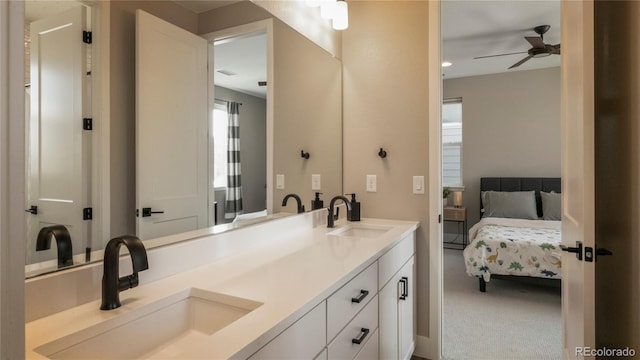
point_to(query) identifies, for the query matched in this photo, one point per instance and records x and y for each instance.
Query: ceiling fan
(539, 48)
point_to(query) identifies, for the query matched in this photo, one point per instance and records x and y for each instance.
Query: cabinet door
(396, 312)
(388, 298)
(406, 311)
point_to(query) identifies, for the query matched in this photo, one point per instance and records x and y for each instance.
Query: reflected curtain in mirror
(233, 205)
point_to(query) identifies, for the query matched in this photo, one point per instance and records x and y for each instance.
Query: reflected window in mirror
(220, 141)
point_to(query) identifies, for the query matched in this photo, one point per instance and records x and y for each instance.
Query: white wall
(511, 127)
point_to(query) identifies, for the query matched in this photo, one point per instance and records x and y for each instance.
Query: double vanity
(289, 288)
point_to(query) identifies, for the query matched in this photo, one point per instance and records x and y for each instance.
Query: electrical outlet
(372, 183)
(315, 182)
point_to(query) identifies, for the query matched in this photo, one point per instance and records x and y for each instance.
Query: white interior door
(58, 169)
(578, 190)
(171, 128)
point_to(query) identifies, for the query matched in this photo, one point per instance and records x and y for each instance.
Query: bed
(519, 230)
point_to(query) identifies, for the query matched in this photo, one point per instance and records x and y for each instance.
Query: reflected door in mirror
(58, 147)
(171, 128)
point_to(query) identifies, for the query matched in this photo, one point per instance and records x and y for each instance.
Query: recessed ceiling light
(446, 64)
(226, 72)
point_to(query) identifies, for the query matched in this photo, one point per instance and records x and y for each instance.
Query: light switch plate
(372, 183)
(418, 184)
(280, 181)
(315, 182)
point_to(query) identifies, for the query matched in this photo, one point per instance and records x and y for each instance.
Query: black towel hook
(382, 153)
(304, 154)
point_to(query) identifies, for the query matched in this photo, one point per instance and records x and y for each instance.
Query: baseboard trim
(425, 348)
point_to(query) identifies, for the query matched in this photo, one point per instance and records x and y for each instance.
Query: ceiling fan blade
(520, 62)
(488, 56)
(556, 49)
(535, 41)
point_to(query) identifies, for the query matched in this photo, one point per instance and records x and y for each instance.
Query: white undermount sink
(162, 329)
(361, 230)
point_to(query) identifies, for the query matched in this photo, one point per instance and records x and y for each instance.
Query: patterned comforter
(514, 247)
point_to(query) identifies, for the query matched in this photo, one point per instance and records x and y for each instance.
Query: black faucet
(111, 284)
(298, 200)
(63, 241)
(330, 217)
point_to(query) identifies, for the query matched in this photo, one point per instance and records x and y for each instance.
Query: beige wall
(385, 105)
(307, 116)
(122, 78)
(240, 13)
(511, 127)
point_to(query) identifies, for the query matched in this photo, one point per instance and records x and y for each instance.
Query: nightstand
(458, 215)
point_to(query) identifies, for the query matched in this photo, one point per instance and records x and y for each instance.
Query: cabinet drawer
(345, 303)
(343, 347)
(370, 350)
(302, 340)
(391, 262)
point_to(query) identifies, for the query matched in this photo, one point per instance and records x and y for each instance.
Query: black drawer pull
(403, 287)
(359, 340)
(363, 294)
(406, 286)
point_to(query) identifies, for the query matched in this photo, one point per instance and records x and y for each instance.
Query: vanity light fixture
(341, 15)
(335, 10)
(327, 9)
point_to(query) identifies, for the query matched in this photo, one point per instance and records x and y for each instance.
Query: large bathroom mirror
(297, 110)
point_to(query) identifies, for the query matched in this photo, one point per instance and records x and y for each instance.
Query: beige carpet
(512, 320)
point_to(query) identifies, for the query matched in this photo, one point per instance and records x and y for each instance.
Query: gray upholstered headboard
(520, 184)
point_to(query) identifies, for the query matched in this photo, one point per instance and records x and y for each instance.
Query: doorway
(499, 140)
(240, 77)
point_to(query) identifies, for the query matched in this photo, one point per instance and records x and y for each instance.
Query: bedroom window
(452, 143)
(220, 125)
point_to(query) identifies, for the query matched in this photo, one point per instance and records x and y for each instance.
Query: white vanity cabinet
(396, 296)
(370, 317)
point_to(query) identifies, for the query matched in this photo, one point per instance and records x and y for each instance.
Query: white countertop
(289, 278)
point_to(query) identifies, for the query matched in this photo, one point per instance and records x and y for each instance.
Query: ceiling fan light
(341, 16)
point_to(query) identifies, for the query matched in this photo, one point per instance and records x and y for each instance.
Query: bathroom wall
(385, 64)
(511, 127)
(308, 81)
